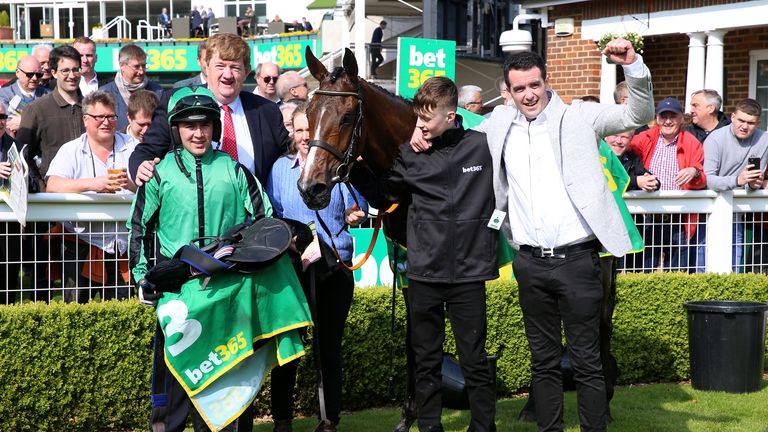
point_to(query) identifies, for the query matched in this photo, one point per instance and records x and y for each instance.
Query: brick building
(689, 45)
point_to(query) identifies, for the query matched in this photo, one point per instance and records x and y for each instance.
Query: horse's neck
(392, 124)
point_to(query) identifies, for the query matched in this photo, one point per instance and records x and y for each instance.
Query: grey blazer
(575, 132)
(195, 81)
(7, 93)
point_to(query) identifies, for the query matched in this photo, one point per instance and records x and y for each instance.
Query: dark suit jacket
(265, 123)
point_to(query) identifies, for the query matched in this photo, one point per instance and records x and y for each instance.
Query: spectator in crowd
(22, 93)
(296, 26)
(47, 123)
(705, 114)
(201, 78)
(141, 105)
(621, 97)
(195, 23)
(53, 119)
(42, 52)
(244, 22)
(333, 289)
(267, 74)
(307, 25)
(471, 99)
(442, 276)
(375, 48)
(132, 76)
(277, 19)
(165, 21)
(728, 152)
(290, 85)
(286, 109)
(10, 252)
(209, 17)
(253, 131)
(639, 177)
(198, 191)
(89, 82)
(676, 158)
(96, 161)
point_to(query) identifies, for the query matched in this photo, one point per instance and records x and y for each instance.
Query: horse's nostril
(317, 189)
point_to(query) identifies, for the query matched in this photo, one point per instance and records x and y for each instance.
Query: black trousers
(376, 59)
(334, 298)
(467, 311)
(568, 291)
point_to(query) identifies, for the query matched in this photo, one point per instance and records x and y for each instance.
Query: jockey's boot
(283, 426)
(407, 416)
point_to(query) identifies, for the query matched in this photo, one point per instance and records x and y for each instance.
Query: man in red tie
(253, 131)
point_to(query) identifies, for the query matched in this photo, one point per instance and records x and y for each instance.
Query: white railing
(52, 260)
(120, 23)
(156, 32)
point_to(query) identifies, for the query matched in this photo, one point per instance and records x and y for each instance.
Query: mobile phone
(755, 162)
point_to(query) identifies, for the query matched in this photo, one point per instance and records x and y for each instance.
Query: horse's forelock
(336, 74)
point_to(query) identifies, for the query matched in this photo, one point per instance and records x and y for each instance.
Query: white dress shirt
(89, 86)
(242, 135)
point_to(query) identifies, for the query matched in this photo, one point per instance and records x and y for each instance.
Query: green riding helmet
(192, 105)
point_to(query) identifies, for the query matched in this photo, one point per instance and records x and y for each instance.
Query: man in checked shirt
(676, 158)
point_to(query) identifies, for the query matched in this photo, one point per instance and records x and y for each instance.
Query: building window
(758, 82)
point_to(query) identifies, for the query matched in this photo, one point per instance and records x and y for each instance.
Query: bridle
(346, 158)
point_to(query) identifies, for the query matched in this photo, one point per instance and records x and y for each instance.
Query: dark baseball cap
(669, 104)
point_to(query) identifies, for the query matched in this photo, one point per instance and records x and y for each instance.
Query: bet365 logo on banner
(420, 59)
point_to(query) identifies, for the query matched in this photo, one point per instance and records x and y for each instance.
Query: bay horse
(349, 117)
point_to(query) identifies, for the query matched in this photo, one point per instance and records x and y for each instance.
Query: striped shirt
(286, 202)
(664, 164)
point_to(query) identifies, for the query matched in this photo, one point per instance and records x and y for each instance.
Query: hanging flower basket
(634, 38)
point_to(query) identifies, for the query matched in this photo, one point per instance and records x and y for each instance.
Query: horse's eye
(347, 119)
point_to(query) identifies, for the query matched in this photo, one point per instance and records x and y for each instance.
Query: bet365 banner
(420, 59)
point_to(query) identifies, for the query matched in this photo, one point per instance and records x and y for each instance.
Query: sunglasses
(31, 74)
(3, 116)
(267, 79)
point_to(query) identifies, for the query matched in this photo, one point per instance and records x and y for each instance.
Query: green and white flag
(618, 181)
(220, 342)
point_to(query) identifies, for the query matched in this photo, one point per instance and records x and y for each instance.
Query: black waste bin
(727, 344)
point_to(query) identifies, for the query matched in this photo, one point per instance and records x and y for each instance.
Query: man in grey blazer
(559, 212)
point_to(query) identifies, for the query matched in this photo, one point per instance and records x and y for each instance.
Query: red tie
(229, 143)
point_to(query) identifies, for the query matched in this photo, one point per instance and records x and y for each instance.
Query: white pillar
(695, 78)
(360, 51)
(719, 228)
(607, 80)
(713, 78)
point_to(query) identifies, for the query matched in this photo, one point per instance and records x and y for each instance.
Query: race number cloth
(210, 336)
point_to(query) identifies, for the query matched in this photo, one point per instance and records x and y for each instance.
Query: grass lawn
(656, 408)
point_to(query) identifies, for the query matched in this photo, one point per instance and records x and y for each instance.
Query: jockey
(219, 342)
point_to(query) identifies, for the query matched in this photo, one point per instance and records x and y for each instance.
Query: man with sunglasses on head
(132, 76)
(24, 91)
(267, 74)
(253, 132)
(53, 119)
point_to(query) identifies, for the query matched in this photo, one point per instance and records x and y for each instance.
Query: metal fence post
(719, 232)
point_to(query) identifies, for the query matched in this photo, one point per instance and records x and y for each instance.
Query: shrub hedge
(87, 367)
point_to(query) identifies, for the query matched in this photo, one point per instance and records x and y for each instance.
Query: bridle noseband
(342, 172)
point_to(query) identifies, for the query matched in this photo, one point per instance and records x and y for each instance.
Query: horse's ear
(316, 68)
(350, 63)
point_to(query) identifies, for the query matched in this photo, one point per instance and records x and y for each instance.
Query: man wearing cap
(676, 158)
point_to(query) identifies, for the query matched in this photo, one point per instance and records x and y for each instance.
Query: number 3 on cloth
(190, 329)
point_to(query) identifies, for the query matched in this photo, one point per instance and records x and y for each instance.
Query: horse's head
(335, 125)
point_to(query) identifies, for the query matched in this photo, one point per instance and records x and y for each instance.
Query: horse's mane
(337, 72)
